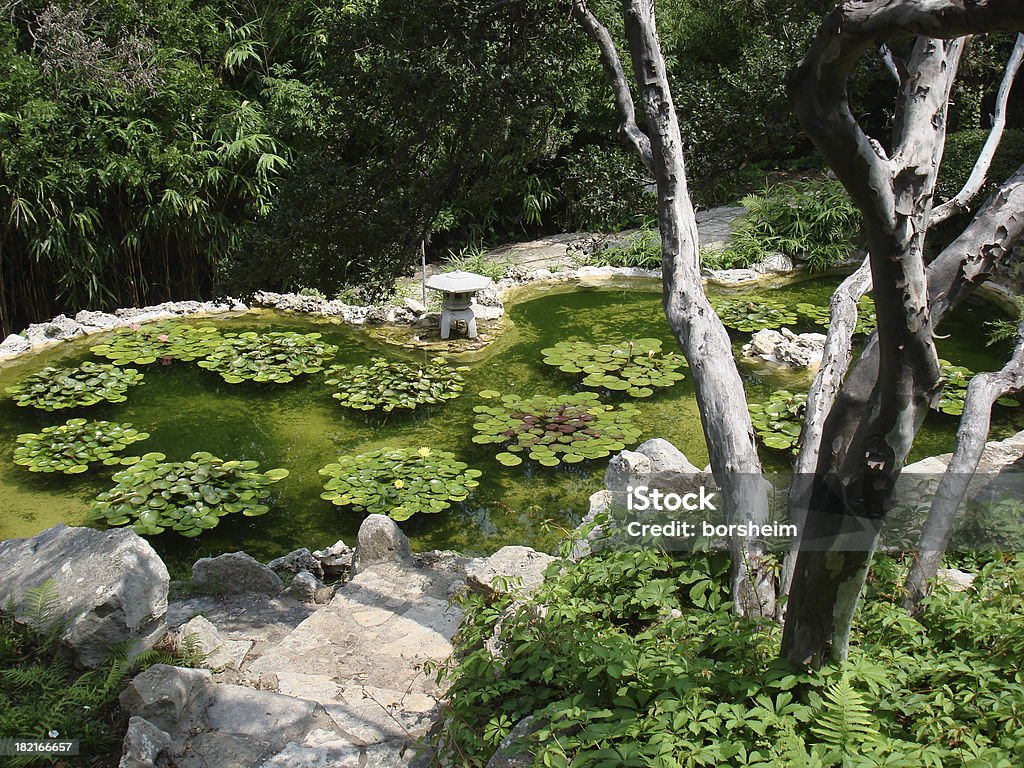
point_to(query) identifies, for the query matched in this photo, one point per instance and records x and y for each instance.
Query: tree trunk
(982, 393)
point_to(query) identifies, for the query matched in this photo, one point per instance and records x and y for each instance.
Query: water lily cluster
(163, 342)
(385, 386)
(635, 367)
(778, 420)
(268, 357)
(399, 482)
(751, 316)
(153, 494)
(54, 389)
(71, 447)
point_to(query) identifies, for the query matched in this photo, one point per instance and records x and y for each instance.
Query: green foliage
(636, 660)
(71, 447)
(399, 482)
(189, 497)
(954, 388)
(633, 367)
(552, 430)
(640, 251)
(268, 357)
(603, 191)
(53, 389)
(866, 319)
(385, 386)
(750, 316)
(779, 419)
(144, 345)
(813, 221)
(961, 153)
(475, 259)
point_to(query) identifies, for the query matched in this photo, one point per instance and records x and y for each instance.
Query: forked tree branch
(620, 85)
(976, 180)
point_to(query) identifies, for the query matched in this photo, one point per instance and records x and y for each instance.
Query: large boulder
(111, 586)
(166, 695)
(14, 345)
(234, 573)
(145, 745)
(380, 540)
(519, 570)
(296, 561)
(61, 328)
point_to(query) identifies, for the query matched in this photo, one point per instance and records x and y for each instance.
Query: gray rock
(307, 588)
(775, 263)
(111, 586)
(144, 744)
(665, 457)
(520, 568)
(380, 540)
(14, 345)
(512, 752)
(335, 560)
(376, 315)
(205, 636)
(733, 276)
(296, 561)
(416, 307)
(233, 573)
(60, 328)
(803, 350)
(955, 579)
(627, 468)
(165, 695)
(224, 750)
(97, 320)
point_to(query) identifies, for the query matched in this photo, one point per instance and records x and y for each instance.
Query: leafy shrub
(386, 386)
(54, 389)
(161, 341)
(750, 316)
(636, 660)
(273, 357)
(474, 259)
(632, 366)
(779, 419)
(640, 251)
(71, 447)
(813, 221)
(603, 190)
(552, 430)
(399, 482)
(186, 496)
(961, 153)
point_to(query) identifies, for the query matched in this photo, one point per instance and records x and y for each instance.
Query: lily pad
(633, 367)
(750, 316)
(268, 357)
(779, 419)
(163, 342)
(387, 386)
(71, 447)
(53, 389)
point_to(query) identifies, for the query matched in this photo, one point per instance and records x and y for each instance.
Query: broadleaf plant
(153, 494)
(71, 447)
(53, 389)
(268, 357)
(398, 482)
(386, 386)
(552, 430)
(635, 367)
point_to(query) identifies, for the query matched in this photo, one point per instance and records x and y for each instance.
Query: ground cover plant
(71, 447)
(385, 385)
(635, 367)
(552, 430)
(633, 658)
(146, 344)
(153, 494)
(399, 482)
(268, 357)
(54, 389)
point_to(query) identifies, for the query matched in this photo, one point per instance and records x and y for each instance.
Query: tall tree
(864, 421)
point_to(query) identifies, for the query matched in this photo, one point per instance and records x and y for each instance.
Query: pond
(298, 426)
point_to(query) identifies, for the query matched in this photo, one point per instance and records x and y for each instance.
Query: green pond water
(300, 427)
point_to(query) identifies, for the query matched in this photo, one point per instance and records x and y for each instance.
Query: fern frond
(844, 720)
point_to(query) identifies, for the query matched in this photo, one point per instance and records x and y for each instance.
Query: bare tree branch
(620, 85)
(982, 392)
(893, 66)
(981, 168)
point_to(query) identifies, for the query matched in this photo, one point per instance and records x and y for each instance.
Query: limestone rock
(205, 636)
(307, 588)
(522, 567)
(164, 695)
(955, 579)
(111, 585)
(144, 744)
(627, 468)
(296, 561)
(234, 572)
(335, 560)
(59, 328)
(784, 347)
(97, 321)
(512, 752)
(380, 540)
(774, 263)
(416, 307)
(14, 345)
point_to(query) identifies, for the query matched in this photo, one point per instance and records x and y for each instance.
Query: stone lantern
(457, 289)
